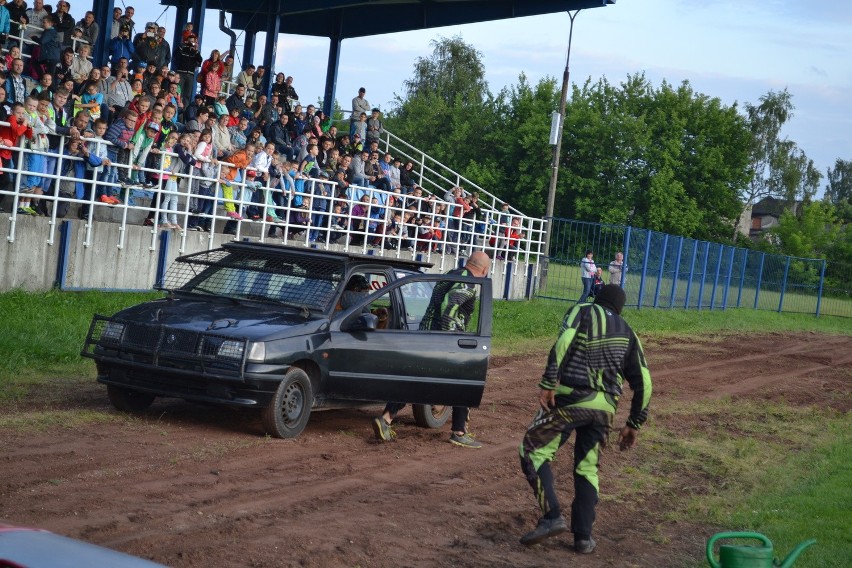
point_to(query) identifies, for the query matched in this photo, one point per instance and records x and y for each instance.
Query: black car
(287, 330)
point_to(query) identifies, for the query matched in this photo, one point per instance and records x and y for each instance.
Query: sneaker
(383, 430)
(585, 546)
(234, 215)
(545, 529)
(33, 211)
(105, 199)
(25, 211)
(465, 440)
(148, 223)
(177, 227)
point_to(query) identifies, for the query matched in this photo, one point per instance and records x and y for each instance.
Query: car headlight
(112, 332)
(256, 352)
(231, 349)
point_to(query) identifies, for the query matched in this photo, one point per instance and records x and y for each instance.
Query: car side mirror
(364, 322)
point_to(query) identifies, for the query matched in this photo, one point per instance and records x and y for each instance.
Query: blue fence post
(64, 253)
(691, 275)
(507, 285)
(661, 271)
(716, 280)
(162, 258)
(819, 293)
(759, 279)
(728, 279)
(676, 273)
(703, 274)
(784, 284)
(644, 268)
(742, 277)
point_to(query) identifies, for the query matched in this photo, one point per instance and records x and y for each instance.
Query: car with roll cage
(288, 330)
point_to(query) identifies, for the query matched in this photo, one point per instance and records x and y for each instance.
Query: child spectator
(179, 167)
(31, 183)
(142, 141)
(91, 100)
(98, 147)
(226, 180)
(119, 135)
(76, 186)
(187, 31)
(50, 46)
(10, 136)
(203, 154)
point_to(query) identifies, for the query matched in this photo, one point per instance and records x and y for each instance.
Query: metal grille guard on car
(159, 346)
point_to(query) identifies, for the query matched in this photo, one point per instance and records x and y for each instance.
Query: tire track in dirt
(193, 486)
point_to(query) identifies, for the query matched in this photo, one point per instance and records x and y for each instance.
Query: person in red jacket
(10, 136)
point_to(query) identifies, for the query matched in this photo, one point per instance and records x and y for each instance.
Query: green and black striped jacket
(595, 352)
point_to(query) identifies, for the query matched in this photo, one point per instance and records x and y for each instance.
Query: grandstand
(103, 146)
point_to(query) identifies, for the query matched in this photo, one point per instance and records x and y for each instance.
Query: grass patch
(44, 332)
(42, 421)
(751, 466)
(525, 327)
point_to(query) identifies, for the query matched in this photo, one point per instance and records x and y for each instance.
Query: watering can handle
(711, 558)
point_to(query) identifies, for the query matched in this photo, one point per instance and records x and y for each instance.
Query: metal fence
(666, 271)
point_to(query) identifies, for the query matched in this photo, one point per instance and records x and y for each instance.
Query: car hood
(254, 320)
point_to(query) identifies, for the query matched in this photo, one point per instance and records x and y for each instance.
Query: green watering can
(736, 556)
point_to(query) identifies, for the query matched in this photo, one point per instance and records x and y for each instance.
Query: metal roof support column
(181, 18)
(199, 7)
(273, 25)
(248, 51)
(103, 16)
(331, 75)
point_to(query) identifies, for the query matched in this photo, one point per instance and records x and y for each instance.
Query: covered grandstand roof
(352, 18)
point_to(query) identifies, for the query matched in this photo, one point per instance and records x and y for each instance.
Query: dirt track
(187, 485)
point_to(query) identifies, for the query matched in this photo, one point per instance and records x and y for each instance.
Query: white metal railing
(395, 225)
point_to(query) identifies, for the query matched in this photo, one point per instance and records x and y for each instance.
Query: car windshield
(297, 281)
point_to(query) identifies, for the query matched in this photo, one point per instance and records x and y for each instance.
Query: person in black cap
(579, 391)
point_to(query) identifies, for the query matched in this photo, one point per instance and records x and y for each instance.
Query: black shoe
(585, 546)
(545, 529)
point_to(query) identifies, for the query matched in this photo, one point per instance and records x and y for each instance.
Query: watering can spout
(788, 562)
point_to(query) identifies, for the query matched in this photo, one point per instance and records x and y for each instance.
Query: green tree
(447, 110)
(673, 157)
(811, 234)
(839, 189)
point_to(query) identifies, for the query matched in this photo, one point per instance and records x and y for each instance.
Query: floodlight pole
(554, 172)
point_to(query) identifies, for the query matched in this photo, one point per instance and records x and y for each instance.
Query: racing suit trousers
(548, 432)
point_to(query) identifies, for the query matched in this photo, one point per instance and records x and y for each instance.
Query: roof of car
(267, 248)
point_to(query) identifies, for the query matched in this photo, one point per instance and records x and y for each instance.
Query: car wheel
(288, 412)
(129, 400)
(431, 415)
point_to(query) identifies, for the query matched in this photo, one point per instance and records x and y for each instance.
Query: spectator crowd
(155, 123)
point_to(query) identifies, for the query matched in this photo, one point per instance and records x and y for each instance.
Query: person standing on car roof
(579, 391)
(449, 309)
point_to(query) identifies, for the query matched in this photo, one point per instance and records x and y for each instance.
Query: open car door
(380, 353)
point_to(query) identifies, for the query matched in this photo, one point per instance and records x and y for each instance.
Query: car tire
(290, 408)
(431, 415)
(129, 400)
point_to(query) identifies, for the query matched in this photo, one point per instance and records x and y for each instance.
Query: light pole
(557, 148)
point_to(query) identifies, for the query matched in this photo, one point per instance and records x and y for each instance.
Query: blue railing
(668, 271)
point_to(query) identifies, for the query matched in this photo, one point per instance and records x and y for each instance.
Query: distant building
(766, 213)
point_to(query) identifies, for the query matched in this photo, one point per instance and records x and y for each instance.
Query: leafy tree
(839, 189)
(673, 157)
(454, 73)
(811, 234)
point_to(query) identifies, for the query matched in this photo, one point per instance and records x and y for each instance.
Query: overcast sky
(736, 50)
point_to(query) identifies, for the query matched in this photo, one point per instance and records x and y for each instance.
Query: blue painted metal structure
(343, 19)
